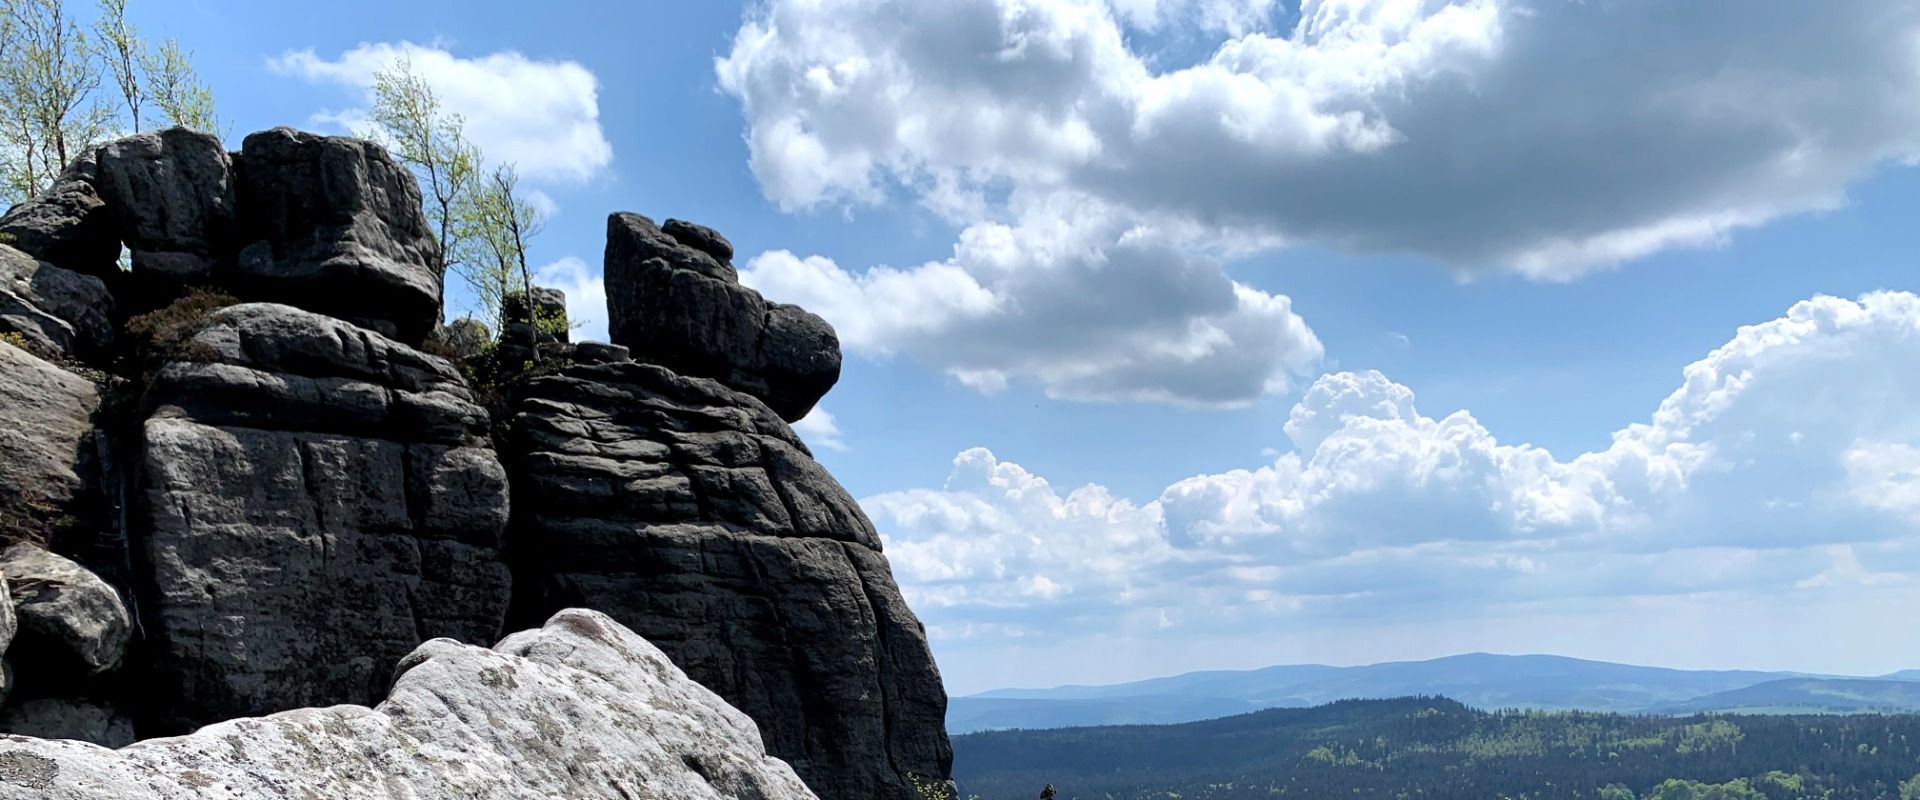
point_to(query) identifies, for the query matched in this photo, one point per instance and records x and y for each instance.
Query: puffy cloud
(1483, 133)
(1233, 17)
(543, 116)
(819, 429)
(997, 535)
(1082, 303)
(1785, 462)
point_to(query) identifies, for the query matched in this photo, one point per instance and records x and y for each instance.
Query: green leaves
(176, 87)
(52, 73)
(483, 218)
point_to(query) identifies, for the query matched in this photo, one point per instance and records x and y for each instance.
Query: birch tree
(499, 223)
(119, 48)
(432, 141)
(48, 82)
(176, 88)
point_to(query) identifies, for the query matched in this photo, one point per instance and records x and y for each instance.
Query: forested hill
(1438, 748)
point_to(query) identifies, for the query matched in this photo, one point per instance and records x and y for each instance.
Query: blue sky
(1190, 334)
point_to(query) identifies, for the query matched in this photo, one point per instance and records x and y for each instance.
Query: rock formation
(674, 299)
(694, 515)
(54, 310)
(334, 225)
(546, 713)
(249, 473)
(48, 457)
(318, 500)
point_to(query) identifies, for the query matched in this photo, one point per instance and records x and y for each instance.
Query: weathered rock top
(579, 708)
(674, 299)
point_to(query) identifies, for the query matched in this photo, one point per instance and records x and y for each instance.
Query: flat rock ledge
(580, 708)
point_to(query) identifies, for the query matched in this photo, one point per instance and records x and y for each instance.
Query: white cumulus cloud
(1543, 138)
(543, 116)
(819, 429)
(1784, 465)
(1081, 303)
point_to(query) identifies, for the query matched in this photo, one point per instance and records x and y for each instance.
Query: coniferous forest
(1436, 748)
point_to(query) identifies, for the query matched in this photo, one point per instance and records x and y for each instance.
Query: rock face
(693, 514)
(69, 226)
(70, 621)
(170, 196)
(540, 323)
(318, 501)
(212, 513)
(54, 309)
(580, 708)
(674, 300)
(334, 225)
(47, 446)
(64, 718)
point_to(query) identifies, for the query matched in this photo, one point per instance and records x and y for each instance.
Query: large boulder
(540, 323)
(71, 623)
(170, 194)
(48, 448)
(333, 224)
(54, 309)
(68, 225)
(318, 500)
(580, 708)
(675, 301)
(692, 513)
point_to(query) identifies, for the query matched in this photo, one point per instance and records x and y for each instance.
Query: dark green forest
(1429, 747)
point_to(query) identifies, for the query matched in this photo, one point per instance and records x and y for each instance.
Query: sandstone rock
(70, 620)
(170, 194)
(693, 514)
(580, 708)
(465, 337)
(541, 324)
(676, 305)
(600, 353)
(9, 626)
(334, 225)
(53, 308)
(634, 239)
(549, 304)
(68, 226)
(319, 500)
(90, 721)
(47, 451)
(700, 237)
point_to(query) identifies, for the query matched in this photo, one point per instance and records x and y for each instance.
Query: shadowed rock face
(672, 301)
(170, 195)
(54, 309)
(47, 455)
(69, 226)
(318, 500)
(70, 622)
(581, 708)
(334, 225)
(693, 514)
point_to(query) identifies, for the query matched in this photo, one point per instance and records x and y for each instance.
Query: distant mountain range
(1808, 696)
(1438, 749)
(1481, 680)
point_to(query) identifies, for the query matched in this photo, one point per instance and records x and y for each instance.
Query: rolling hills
(1434, 748)
(1480, 680)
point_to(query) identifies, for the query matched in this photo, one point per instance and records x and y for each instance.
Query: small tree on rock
(432, 141)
